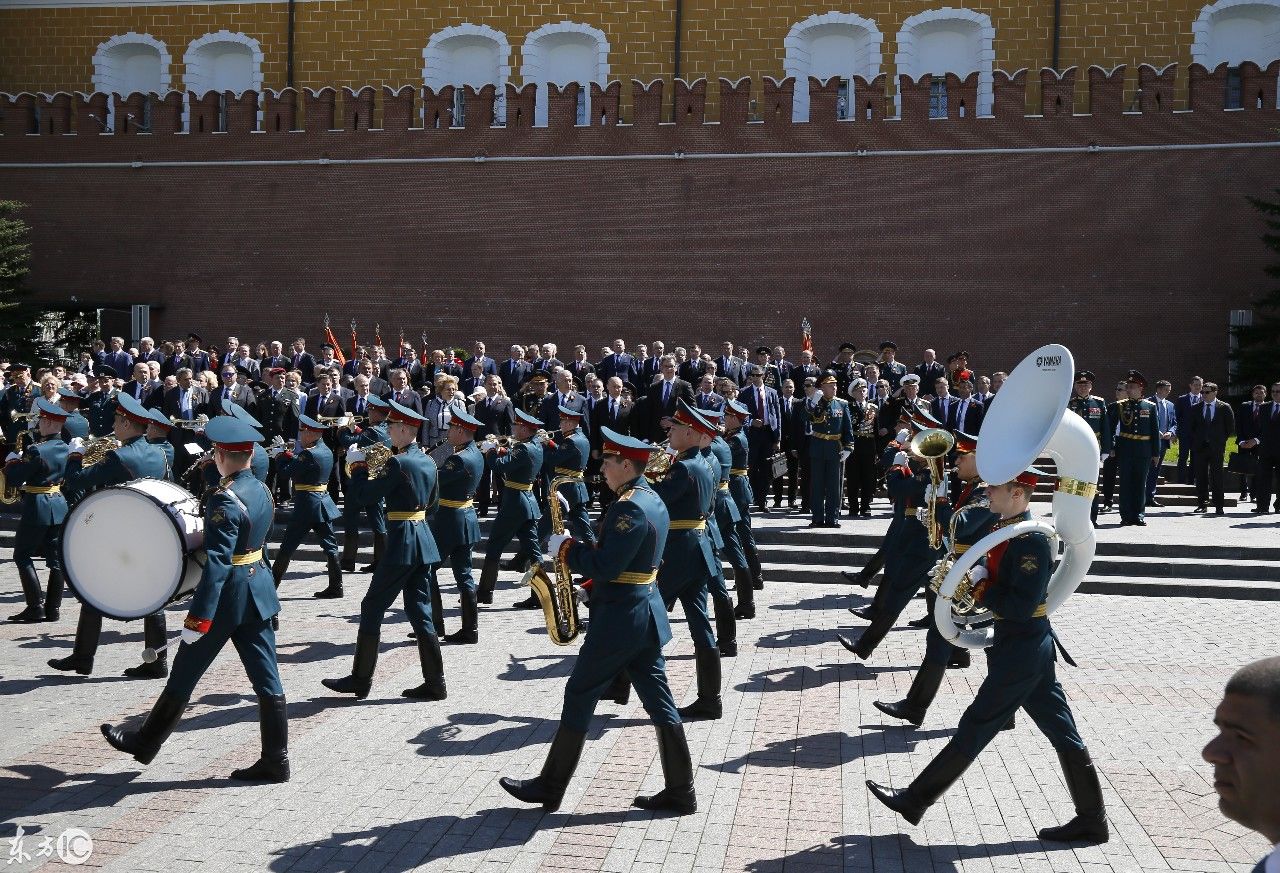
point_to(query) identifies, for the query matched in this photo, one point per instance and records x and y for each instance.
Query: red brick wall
(1132, 259)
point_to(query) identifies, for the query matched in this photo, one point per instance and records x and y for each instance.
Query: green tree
(1258, 344)
(17, 327)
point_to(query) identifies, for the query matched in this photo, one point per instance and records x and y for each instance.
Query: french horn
(1030, 420)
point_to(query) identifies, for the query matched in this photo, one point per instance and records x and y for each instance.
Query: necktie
(1208, 412)
(613, 410)
(760, 401)
(359, 406)
(666, 391)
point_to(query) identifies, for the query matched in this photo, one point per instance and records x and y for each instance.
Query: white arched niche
(832, 44)
(948, 40)
(468, 54)
(1235, 31)
(130, 63)
(563, 53)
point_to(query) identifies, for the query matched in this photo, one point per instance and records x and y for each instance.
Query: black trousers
(1109, 471)
(793, 466)
(804, 471)
(861, 475)
(1208, 466)
(1264, 480)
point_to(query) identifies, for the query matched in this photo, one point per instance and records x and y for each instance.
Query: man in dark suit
(805, 369)
(692, 368)
(401, 392)
(614, 412)
(1265, 479)
(1246, 753)
(959, 411)
(1212, 422)
(142, 388)
(303, 362)
(729, 365)
(579, 368)
(930, 371)
(663, 398)
(618, 364)
(564, 395)
(487, 364)
(764, 433)
(171, 364)
(275, 358)
(648, 367)
(1184, 406)
(147, 351)
(474, 380)
(515, 371)
(230, 392)
(790, 408)
(496, 415)
(706, 396)
(186, 401)
(1248, 421)
(118, 359)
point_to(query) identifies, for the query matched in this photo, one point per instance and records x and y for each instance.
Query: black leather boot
(745, 589)
(350, 545)
(912, 801)
(549, 786)
(620, 691)
(960, 659)
(871, 637)
(88, 629)
(677, 773)
(379, 546)
(753, 564)
(361, 678)
(437, 605)
(726, 626)
(469, 634)
(924, 687)
(432, 687)
(273, 726)
(53, 596)
(334, 589)
(155, 637)
(1090, 822)
(279, 567)
(33, 593)
(708, 706)
(872, 609)
(488, 577)
(144, 744)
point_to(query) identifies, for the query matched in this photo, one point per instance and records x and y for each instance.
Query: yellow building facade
(81, 45)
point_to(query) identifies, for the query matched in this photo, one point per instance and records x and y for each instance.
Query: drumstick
(150, 656)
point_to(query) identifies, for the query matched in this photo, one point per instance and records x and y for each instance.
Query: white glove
(937, 567)
(930, 493)
(488, 445)
(977, 574)
(554, 543)
(12, 456)
(1103, 457)
(900, 459)
(76, 446)
(902, 436)
(190, 636)
(564, 501)
(354, 455)
(844, 455)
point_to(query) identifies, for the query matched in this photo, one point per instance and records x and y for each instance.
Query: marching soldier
(1093, 410)
(234, 601)
(688, 562)
(135, 458)
(375, 513)
(861, 465)
(890, 367)
(158, 435)
(568, 456)
(627, 631)
(518, 512)
(455, 526)
(735, 417)
(38, 472)
(1021, 675)
(77, 425)
(313, 508)
(408, 484)
(722, 530)
(830, 442)
(1137, 449)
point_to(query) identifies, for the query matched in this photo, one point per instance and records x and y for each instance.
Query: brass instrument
(559, 604)
(198, 423)
(11, 495)
(933, 445)
(376, 456)
(334, 420)
(965, 600)
(659, 462)
(96, 449)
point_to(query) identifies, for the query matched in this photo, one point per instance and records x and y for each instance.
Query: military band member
(627, 631)
(518, 512)
(234, 601)
(17, 398)
(1137, 449)
(408, 484)
(746, 584)
(1013, 584)
(722, 530)
(455, 526)
(158, 435)
(861, 465)
(38, 473)
(375, 514)
(135, 458)
(568, 456)
(688, 561)
(830, 443)
(308, 466)
(1094, 411)
(76, 425)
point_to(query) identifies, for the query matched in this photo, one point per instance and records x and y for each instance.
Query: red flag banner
(354, 341)
(333, 341)
(806, 335)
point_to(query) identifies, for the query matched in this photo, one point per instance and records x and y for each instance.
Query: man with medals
(1137, 449)
(1094, 411)
(830, 443)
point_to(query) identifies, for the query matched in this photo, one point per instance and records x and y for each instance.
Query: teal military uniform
(740, 490)
(313, 508)
(455, 525)
(518, 512)
(38, 474)
(375, 514)
(77, 426)
(628, 625)
(259, 466)
(831, 433)
(724, 539)
(1094, 411)
(688, 561)
(569, 457)
(1137, 445)
(167, 447)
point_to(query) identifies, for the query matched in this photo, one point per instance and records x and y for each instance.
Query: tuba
(933, 444)
(1033, 419)
(559, 603)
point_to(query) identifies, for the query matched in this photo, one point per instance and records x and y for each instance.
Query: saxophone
(559, 604)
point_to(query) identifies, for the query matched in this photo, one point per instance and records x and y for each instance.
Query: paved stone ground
(388, 784)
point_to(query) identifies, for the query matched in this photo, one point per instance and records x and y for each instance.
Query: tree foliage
(1258, 345)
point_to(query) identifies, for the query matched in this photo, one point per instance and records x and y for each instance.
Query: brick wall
(358, 42)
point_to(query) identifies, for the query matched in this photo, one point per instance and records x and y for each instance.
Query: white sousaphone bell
(1030, 419)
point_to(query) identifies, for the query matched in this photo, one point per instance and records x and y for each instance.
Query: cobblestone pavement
(389, 784)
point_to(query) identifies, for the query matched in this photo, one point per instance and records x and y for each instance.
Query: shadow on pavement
(819, 752)
(898, 851)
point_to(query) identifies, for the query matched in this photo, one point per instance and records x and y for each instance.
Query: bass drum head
(122, 552)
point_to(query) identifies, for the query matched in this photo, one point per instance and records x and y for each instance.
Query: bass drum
(132, 549)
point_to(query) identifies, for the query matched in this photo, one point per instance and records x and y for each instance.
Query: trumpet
(343, 420)
(198, 423)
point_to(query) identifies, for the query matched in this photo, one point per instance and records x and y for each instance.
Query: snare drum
(132, 549)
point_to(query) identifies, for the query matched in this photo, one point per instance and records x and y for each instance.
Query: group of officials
(414, 473)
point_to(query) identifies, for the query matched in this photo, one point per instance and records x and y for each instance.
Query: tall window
(563, 53)
(941, 41)
(834, 44)
(938, 96)
(468, 54)
(131, 63)
(222, 62)
(1235, 31)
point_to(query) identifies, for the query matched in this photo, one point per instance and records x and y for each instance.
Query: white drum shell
(132, 549)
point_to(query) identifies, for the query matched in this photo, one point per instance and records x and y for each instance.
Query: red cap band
(397, 415)
(1027, 478)
(235, 447)
(631, 454)
(465, 425)
(681, 418)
